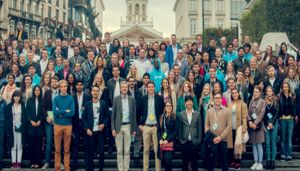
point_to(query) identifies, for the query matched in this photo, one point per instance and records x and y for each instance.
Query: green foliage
(273, 16)
(217, 33)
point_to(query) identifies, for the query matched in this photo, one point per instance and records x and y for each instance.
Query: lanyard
(217, 115)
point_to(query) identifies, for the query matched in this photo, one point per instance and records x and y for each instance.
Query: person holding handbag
(239, 112)
(257, 108)
(15, 121)
(167, 133)
(271, 127)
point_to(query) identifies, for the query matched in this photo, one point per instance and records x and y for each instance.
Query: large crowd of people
(164, 96)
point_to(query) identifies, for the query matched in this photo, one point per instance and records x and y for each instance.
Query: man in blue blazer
(171, 51)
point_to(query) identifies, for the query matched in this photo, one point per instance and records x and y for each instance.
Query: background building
(192, 15)
(137, 24)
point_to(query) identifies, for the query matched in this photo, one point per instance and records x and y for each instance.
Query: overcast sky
(160, 10)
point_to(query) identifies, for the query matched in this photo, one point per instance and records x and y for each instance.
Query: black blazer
(276, 86)
(32, 116)
(75, 119)
(111, 84)
(9, 123)
(143, 109)
(47, 103)
(61, 73)
(137, 98)
(171, 129)
(88, 115)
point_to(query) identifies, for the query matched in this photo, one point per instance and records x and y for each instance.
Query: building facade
(194, 16)
(137, 24)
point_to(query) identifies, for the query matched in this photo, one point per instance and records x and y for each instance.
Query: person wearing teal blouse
(186, 90)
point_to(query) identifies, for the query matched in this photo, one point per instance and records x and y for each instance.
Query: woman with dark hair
(239, 112)
(71, 84)
(280, 68)
(123, 63)
(283, 53)
(46, 83)
(167, 133)
(287, 115)
(15, 121)
(197, 88)
(167, 93)
(50, 68)
(15, 70)
(26, 88)
(261, 84)
(2, 76)
(249, 80)
(162, 47)
(151, 54)
(271, 127)
(81, 45)
(9, 88)
(257, 108)
(35, 126)
(115, 45)
(268, 55)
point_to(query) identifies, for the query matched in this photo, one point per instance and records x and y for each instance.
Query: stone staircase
(111, 163)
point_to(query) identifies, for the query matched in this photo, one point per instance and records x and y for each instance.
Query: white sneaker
(253, 167)
(46, 166)
(62, 167)
(259, 167)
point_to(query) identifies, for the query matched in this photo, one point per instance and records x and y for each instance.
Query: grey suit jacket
(86, 69)
(195, 128)
(117, 113)
(72, 60)
(184, 69)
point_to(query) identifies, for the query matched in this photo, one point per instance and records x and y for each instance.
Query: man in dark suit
(123, 125)
(190, 134)
(79, 99)
(272, 81)
(109, 46)
(113, 84)
(63, 73)
(152, 106)
(77, 58)
(95, 119)
(255, 73)
(240, 62)
(213, 79)
(48, 116)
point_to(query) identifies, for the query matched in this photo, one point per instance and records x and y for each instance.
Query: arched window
(137, 9)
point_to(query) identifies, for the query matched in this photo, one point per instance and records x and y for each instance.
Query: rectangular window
(64, 17)
(220, 5)
(206, 23)
(57, 2)
(49, 1)
(220, 23)
(42, 11)
(192, 5)
(64, 4)
(14, 4)
(192, 26)
(207, 5)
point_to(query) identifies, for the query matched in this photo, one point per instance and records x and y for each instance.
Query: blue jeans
(271, 140)
(49, 142)
(258, 153)
(287, 127)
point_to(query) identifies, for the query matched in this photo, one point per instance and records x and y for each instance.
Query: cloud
(160, 10)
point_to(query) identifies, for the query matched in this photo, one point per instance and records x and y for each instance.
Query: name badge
(269, 115)
(152, 117)
(254, 116)
(164, 136)
(215, 126)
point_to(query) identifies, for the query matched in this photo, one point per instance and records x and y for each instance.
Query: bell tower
(136, 11)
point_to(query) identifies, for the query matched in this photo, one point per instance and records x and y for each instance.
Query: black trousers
(35, 148)
(221, 153)
(91, 144)
(230, 153)
(189, 154)
(167, 157)
(77, 132)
